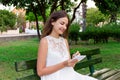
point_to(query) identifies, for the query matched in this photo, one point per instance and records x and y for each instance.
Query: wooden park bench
(93, 57)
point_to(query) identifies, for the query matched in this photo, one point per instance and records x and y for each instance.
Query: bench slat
(114, 77)
(87, 63)
(100, 72)
(91, 52)
(104, 74)
(107, 74)
(30, 77)
(25, 65)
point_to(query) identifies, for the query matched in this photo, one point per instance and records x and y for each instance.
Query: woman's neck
(54, 35)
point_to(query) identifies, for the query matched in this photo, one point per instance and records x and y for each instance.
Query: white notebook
(79, 57)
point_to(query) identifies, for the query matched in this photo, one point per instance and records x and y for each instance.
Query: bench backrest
(27, 65)
(93, 57)
(31, 64)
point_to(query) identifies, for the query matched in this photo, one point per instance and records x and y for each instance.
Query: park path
(16, 37)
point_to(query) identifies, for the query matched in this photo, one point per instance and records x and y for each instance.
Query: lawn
(27, 49)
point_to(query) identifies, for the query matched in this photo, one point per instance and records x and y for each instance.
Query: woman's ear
(53, 23)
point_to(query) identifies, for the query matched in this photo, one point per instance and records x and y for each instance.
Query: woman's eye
(61, 23)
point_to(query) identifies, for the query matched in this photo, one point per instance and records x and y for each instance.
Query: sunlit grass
(27, 49)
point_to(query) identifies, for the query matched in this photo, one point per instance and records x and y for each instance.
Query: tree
(30, 16)
(7, 20)
(111, 7)
(75, 9)
(74, 32)
(94, 17)
(21, 22)
(40, 7)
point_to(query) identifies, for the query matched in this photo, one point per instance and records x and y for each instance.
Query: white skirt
(66, 73)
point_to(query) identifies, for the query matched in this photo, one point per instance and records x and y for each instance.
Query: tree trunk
(37, 26)
(113, 17)
(62, 4)
(54, 6)
(84, 16)
(73, 17)
(42, 10)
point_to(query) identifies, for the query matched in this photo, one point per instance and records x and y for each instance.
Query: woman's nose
(65, 27)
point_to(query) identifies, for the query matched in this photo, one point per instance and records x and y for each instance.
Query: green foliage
(41, 27)
(94, 17)
(111, 7)
(84, 36)
(118, 16)
(20, 30)
(20, 20)
(101, 34)
(74, 32)
(41, 7)
(114, 30)
(31, 17)
(7, 20)
(2, 24)
(108, 6)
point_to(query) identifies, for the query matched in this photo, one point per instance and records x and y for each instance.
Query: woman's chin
(61, 34)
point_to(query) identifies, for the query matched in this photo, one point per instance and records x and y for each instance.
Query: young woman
(54, 62)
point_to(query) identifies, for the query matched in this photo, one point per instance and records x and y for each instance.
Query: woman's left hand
(76, 54)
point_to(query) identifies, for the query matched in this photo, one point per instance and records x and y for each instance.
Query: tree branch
(42, 9)
(54, 6)
(73, 17)
(62, 4)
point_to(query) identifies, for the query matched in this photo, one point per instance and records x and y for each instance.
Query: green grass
(27, 49)
(110, 53)
(18, 50)
(15, 51)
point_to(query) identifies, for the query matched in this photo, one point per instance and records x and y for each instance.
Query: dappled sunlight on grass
(27, 49)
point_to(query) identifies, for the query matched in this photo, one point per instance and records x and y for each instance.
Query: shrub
(7, 20)
(101, 34)
(96, 33)
(74, 32)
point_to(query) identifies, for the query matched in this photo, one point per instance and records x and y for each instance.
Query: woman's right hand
(70, 62)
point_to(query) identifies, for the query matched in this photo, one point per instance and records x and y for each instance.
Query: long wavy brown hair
(54, 17)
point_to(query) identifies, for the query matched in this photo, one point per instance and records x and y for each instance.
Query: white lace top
(57, 53)
(57, 50)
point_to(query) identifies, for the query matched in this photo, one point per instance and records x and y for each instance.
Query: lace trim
(57, 44)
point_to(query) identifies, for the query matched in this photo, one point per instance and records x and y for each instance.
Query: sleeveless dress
(57, 53)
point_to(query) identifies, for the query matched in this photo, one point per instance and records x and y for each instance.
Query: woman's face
(60, 25)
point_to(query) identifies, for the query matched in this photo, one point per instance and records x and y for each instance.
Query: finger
(74, 60)
(77, 53)
(73, 55)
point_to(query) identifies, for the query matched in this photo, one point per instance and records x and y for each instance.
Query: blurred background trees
(7, 20)
(96, 19)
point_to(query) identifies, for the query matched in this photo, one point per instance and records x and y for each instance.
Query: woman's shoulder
(43, 40)
(64, 39)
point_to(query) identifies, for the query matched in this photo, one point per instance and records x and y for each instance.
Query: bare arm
(67, 47)
(41, 60)
(73, 62)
